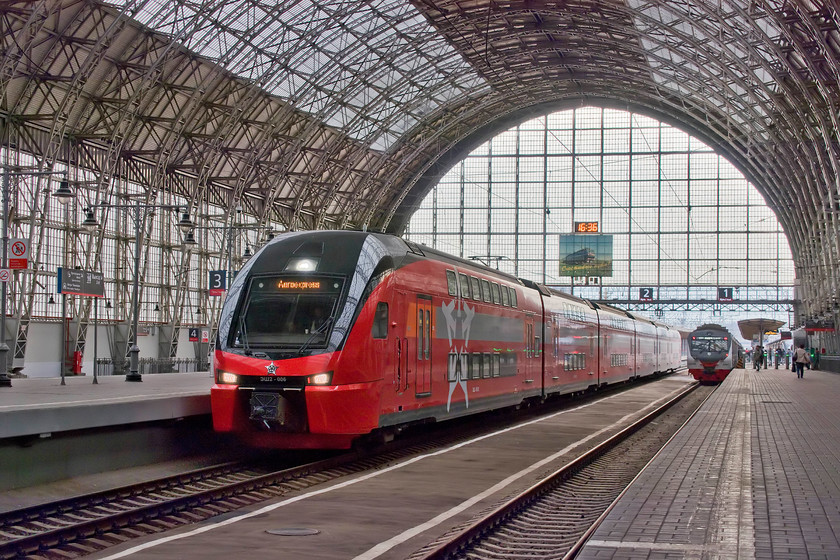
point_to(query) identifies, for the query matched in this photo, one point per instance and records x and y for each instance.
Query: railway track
(82, 525)
(552, 519)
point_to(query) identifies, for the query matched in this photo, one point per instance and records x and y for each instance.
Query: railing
(106, 366)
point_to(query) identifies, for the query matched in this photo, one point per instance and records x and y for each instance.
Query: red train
(326, 336)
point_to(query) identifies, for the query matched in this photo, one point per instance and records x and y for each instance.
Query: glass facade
(685, 224)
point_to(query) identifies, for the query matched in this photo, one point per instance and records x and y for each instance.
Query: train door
(532, 349)
(423, 384)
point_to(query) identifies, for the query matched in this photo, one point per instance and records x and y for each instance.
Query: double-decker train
(712, 353)
(327, 336)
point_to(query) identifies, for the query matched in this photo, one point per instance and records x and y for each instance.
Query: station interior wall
(43, 350)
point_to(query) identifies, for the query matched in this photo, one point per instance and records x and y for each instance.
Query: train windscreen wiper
(320, 330)
(243, 335)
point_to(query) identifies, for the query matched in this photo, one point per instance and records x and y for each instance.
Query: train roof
(397, 248)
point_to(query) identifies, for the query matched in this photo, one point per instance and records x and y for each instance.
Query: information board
(80, 282)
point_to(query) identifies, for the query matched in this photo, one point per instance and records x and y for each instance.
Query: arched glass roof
(303, 112)
(670, 222)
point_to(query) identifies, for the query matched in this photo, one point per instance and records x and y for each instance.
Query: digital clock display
(586, 227)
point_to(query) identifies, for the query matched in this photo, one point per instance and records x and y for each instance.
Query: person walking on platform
(800, 358)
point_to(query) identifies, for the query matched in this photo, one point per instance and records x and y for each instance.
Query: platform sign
(725, 294)
(218, 282)
(193, 335)
(18, 254)
(81, 282)
(645, 294)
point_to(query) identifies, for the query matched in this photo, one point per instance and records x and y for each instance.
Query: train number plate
(272, 379)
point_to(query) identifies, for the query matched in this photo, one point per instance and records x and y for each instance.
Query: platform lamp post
(62, 195)
(139, 216)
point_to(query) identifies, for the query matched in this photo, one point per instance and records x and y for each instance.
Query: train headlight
(320, 379)
(302, 264)
(226, 378)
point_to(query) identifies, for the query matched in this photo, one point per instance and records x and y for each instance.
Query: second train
(712, 353)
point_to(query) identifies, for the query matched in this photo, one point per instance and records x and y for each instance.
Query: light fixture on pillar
(51, 301)
(90, 223)
(189, 238)
(185, 224)
(108, 304)
(247, 254)
(64, 194)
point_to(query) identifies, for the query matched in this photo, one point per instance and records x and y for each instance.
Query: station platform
(31, 407)
(754, 474)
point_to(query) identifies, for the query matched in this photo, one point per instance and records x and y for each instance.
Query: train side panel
(463, 347)
(571, 346)
(618, 341)
(646, 347)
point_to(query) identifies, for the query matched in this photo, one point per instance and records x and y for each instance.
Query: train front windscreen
(288, 313)
(708, 345)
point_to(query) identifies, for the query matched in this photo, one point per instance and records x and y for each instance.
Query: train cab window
(465, 285)
(505, 296)
(452, 282)
(380, 321)
(485, 290)
(497, 298)
(513, 297)
(476, 288)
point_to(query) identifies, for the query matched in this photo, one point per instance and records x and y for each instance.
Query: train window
(452, 282)
(476, 287)
(513, 297)
(497, 298)
(509, 365)
(574, 361)
(428, 336)
(537, 346)
(485, 290)
(421, 334)
(619, 359)
(497, 365)
(475, 366)
(487, 370)
(465, 285)
(454, 371)
(505, 296)
(380, 321)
